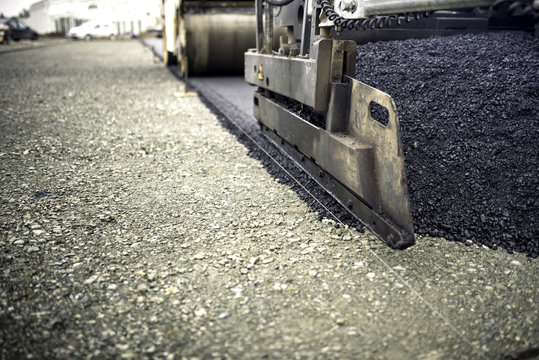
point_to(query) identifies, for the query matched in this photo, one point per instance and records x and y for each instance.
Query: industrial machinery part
(356, 9)
(207, 36)
(436, 23)
(350, 142)
(369, 15)
(363, 9)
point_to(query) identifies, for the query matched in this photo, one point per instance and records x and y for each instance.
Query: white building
(58, 16)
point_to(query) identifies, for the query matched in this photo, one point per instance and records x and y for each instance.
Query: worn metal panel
(348, 160)
(302, 79)
(333, 153)
(387, 145)
(341, 163)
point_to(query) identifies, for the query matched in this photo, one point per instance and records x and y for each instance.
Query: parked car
(93, 29)
(19, 30)
(4, 34)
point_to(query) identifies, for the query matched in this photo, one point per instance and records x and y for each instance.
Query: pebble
(171, 290)
(85, 301)
(91, 279)
(142, 288)
(200, 312)
(279, 286)
(140, 273)
(32, 249)
(224, 315)
(199, 256)
(122, 347)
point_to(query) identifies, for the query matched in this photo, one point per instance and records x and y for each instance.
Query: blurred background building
(131, 17)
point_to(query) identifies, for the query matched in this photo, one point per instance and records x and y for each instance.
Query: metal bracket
(389, 168)
(362, 171)
(305, 80)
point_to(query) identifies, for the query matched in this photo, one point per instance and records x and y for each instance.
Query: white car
(93, 29)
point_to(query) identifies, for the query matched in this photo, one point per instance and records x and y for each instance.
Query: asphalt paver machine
(342, 132)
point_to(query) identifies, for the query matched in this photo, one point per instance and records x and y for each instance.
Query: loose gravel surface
(134, 225)
(468, 108)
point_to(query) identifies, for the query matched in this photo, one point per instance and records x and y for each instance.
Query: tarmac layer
(468, 109)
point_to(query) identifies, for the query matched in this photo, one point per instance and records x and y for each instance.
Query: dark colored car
(19, 30)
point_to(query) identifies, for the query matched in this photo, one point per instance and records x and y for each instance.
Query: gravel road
(134, 225)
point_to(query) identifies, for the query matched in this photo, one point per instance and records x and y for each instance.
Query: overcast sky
(14, 7)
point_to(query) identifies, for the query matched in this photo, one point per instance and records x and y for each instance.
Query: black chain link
(386, 21)
(378, 22)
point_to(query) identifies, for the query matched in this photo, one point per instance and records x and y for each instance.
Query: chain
(522, 8)
(378, 22)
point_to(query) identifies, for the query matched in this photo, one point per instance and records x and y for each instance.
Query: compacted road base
(134, 225)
